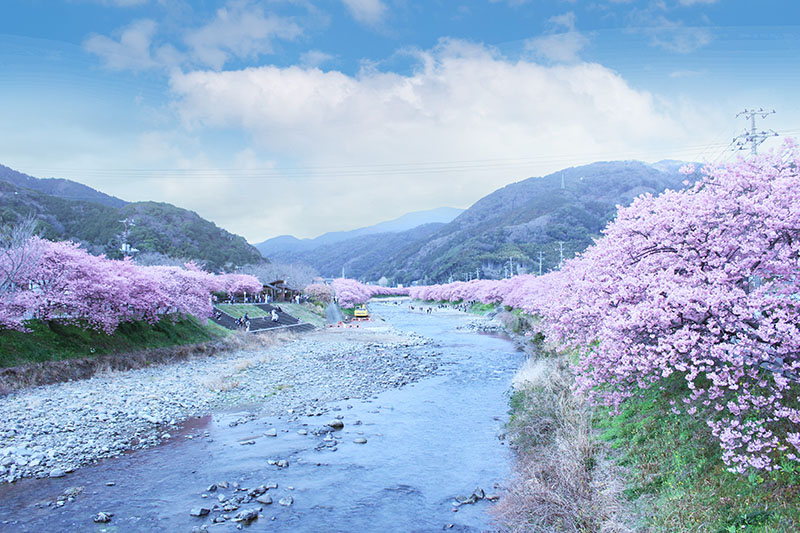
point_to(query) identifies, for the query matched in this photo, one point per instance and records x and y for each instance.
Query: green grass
(481, 309)
(678, 479)
(238, 310)
(306, 313)
(52, 341)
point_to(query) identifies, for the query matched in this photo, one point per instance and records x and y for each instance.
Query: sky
(298, 117)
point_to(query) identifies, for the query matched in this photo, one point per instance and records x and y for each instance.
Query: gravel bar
(54, 429)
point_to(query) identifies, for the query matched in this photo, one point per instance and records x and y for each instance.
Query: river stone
(335, 424)
(199, 511)
(302, 432)
(246, 515)
(286, 501)
(478, 494)
(102, 518)
(271, 433)
(282, 463)
(266, 499)
(212, 487)
(57, 472)
(360, 440)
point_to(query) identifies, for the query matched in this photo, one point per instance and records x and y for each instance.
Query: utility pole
(540, 262)
(560, 253)
(477, 272)
(753, 137)
(125, 246)
(510, 267)
(342, 271)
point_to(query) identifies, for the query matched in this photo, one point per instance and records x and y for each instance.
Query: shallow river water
(427, 443)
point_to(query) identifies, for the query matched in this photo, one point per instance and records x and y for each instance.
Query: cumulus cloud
(562, 42)
(241, 29)
(465, 102)
(670, 34)
(369, 12)
(131, 50)
(123, 3)
(693, 2)
(315, 58)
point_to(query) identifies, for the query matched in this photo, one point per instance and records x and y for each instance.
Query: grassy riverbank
(54, 341)
(678, 480)
(643, 469)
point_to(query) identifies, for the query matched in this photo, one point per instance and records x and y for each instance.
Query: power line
(753, 137)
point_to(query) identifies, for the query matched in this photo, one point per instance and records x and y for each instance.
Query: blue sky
(301, 116)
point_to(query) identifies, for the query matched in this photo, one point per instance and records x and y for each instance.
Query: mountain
(159, 227)
(511, 226)
(287, 248)
(66, 189)
(358, 255)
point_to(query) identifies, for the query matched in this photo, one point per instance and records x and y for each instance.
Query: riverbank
(645, 468)
(54, 429)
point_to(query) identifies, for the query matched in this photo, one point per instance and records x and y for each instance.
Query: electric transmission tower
(125, 246)
(753, 137)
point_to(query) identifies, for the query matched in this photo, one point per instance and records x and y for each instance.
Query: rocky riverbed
(53, 430)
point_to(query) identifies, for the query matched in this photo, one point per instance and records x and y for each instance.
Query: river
(426, 444)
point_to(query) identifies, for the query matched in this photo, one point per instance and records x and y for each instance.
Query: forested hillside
(159, 227)
(512, 225)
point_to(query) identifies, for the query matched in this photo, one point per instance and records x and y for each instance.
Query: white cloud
(670, 34)
(132, 50)
(369, 136)
(693, 2)
(562, 43)
(369, 12)
(123, 3)
(315, 58)
(241, 29)
(676, 37)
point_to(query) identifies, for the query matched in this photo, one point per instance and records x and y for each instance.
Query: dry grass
(219, 383)
(563, 482)
(34, 374)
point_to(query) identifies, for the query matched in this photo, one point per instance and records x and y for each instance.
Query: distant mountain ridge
(94, 220)
(288, 247)
(510, 227)
(506, 229)
(62, 188)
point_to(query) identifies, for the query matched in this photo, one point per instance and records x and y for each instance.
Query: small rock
(266, 499)
(166, 436)
(302, 432)
(283, 463)
(247, 442)
(272, 432)
(246, 515)
(286, 501)
(199, 511)
(212, 487)
(103, 518)
(360, 440)
(110, 483)
(57, 472)
(492, 497)
(335, 424)
(478, 494)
